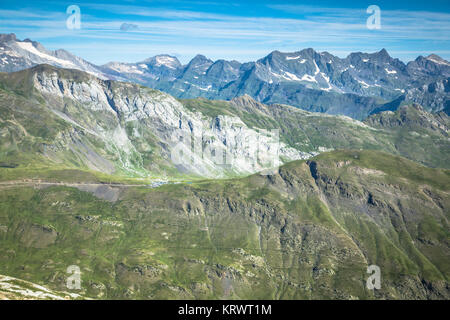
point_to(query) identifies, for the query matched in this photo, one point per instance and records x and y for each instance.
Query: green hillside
(308, 232)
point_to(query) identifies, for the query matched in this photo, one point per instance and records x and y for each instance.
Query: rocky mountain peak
(381, 56)
(308, 52)
(163, 60)
(199, 60)
(8, 37)
(437, 59)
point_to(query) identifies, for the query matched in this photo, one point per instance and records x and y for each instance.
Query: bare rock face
(73, 118)
(119, 114)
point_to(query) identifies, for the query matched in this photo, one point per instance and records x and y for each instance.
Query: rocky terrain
(131, 185)
(63, 119)
(357, 85)
(108, 126)
(307, 232)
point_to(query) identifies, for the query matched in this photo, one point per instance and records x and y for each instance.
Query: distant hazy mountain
(16, 55)
(357, 86)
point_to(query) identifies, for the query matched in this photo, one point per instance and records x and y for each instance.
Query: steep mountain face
(416, 133)
(65, 119)
(309, 231)
(434, 95)
(358, 73)
(111, 126)
(10, 60)
(424, 67)
(357, 86)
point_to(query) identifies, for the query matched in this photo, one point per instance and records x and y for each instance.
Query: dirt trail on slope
(73, 184)
(106, 191)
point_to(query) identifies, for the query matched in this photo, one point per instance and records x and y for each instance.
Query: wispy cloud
(128, 26)
(230, 36)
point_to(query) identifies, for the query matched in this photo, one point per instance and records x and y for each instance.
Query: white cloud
(335, 30)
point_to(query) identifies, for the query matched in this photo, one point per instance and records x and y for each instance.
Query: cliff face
(126, 128)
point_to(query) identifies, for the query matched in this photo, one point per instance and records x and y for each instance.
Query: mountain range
(88, 176)
(74, 119)
(357, 86)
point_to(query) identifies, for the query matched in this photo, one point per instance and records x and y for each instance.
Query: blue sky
(240, 30)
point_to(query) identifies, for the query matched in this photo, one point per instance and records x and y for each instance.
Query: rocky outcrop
(121, 115)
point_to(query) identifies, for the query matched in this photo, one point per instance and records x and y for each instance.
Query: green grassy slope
(308, 232)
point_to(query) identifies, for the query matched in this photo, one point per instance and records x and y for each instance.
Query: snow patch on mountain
(167, 61)
(365, 85)
(317, 68)
(390, 71)
(28, 46)
(291, 76)
(307, 77)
